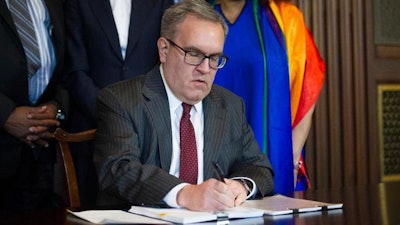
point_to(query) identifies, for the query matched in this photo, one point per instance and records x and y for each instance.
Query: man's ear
(163, 46)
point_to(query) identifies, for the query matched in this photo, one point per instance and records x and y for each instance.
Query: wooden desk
(373, 205)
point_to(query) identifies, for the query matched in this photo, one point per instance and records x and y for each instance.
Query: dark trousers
(82, 154)
(31, 187)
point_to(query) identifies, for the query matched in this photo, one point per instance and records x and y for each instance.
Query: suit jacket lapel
(214, 123)
(102, 11)
(54, 9)
(5, 14)
(158, 108)
(54, 12)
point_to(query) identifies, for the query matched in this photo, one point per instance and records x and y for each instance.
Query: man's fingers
(43, 125)
(240, 199)
(28, 142)
(42, 142)
(224, 196)
(30, 139)
(211, 195)
(41, 116)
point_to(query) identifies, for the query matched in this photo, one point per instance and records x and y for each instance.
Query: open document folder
(148, 215)
(184, 216)
(251, 209)
(280, 205)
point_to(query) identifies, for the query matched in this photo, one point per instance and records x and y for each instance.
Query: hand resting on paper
(212, 195)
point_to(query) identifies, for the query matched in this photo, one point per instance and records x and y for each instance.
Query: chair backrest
(64, 138)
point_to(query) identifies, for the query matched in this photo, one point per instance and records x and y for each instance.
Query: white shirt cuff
(254, 188)
(170, 198)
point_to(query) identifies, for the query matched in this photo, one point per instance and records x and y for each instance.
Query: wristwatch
(60, 116)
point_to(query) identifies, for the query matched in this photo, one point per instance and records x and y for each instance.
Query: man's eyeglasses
(195, 58)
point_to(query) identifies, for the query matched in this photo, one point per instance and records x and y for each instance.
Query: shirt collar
(173, 101)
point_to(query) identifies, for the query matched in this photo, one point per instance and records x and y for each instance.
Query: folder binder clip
(222, 218)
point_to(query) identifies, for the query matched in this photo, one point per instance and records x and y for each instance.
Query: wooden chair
(64, 138)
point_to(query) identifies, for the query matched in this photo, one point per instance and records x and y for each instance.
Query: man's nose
(204, 66)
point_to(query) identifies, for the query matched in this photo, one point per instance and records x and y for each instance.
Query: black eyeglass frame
(222, 59)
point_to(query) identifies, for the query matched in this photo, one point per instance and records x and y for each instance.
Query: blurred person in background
(107, 41)
(276, 67)
(31, 101)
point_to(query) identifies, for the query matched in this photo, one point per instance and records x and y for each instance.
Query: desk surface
(373, 205)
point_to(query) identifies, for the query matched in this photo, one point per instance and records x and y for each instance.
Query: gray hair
(178, 12)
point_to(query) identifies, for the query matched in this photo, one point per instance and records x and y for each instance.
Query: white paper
(280, 205)
(184, 216)
(115, 217)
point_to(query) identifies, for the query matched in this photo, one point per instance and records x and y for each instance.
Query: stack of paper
(280, 204)
(185, 216)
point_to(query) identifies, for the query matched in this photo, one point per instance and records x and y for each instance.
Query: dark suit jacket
(94, 60)
(14, 81)
(134, 140)
(94, 57)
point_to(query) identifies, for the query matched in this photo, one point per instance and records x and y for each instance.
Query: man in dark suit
(139, 151)
(107, 41)
(29, 103)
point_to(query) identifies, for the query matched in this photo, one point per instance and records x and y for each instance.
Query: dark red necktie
(188, 159)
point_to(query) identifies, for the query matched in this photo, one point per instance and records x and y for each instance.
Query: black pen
(218, 171)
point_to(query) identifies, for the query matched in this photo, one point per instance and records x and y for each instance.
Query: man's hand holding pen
(239, 191)
(213, 194)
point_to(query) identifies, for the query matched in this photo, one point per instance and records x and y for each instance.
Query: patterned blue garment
(242, 73)
(267, 100)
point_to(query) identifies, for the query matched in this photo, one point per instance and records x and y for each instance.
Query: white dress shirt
(121, 10)
(43, 28)
(197, 119)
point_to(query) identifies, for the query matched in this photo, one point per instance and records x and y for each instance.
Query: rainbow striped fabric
(275, 67)
(306, 69)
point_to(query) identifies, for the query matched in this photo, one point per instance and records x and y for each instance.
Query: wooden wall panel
(361, 92)
(383, 64)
